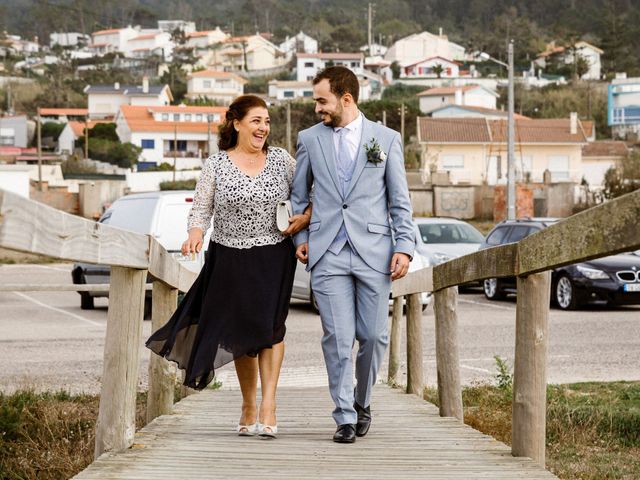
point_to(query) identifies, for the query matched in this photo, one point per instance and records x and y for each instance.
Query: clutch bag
(283, 212)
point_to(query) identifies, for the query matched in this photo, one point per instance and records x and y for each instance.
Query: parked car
(614, 279)
(440, 238)
(160, 214)
(302, 282)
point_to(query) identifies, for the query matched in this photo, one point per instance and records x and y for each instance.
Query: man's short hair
(341, 81)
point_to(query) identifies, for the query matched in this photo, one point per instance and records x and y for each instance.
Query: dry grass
(593, 429)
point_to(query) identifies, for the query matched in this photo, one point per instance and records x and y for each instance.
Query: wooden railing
(33, 227)
(607, 229)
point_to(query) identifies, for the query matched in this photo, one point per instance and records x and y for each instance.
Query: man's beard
(335, 118)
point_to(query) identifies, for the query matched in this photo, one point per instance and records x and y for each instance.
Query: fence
(604, 230)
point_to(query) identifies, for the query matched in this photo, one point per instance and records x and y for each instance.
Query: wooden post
(415, 371)
(116, 424)
(162, 373)
(447, 357)
(39, 134)
(394, 341)
(530, 370)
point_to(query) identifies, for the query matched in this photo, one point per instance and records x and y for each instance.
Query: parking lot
(47, 342)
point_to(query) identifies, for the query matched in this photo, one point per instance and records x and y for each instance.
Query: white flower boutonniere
(374, 154)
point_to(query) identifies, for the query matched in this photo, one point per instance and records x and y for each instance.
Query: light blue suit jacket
(376, 208)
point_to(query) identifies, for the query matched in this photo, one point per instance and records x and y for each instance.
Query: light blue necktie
(345, 166)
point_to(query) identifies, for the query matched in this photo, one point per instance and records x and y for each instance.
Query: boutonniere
(374, 154)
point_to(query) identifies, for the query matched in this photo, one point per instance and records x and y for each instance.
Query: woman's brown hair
(227, 134)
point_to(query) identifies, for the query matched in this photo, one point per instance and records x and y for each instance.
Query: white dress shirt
(352, 137)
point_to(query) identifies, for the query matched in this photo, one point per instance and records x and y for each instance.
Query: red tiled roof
(432, 58)
(63, 111)
(140, 119)
(605, 148)
(78, 127)
(107, 32)
(480, 130)
(331, 56)
(147, 36)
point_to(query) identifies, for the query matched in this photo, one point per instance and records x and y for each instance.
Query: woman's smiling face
(253, 129)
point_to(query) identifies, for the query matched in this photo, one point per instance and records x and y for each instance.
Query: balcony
(181, 154)
(624, 115)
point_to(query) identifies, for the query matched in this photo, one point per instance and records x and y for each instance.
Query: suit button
(344, 206)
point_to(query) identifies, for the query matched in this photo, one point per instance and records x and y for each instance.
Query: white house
(309, 64)
(590, 53)
(112, 40)
(205, 38)
(215, 85)
(68, 39)
(465, 95)
(598, 157)
(418, 46)
(104, 101)
(253, 53)
(147, 43)
(186, 134)
(300, 43)
(434, 67)
(289, 90)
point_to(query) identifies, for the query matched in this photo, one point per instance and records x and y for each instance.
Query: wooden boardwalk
(408, 439)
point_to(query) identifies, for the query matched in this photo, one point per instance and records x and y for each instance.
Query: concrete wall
(15, 178)
(96, 196)
(56, 197)
(458, 202)
(150, 181)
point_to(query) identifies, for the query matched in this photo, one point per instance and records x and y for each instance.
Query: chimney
(573, 123)
(440, 31)
(145, 84)
(116, 86)
(458, 97)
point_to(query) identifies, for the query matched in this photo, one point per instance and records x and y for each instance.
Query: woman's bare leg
(247, 370)
(269, 361)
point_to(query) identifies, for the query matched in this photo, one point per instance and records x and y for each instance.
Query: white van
(162, 215)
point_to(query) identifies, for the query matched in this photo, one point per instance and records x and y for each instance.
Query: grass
(593, 429)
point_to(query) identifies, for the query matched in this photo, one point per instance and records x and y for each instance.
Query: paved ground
(47, 342)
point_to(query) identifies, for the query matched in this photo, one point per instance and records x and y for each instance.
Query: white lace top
(243, 207)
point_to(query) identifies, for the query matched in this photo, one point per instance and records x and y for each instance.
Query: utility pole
(289, 127)
(511, 164)
(384, 117)
(86, 138)
(175, 150)
(402, 112)
(39, 152)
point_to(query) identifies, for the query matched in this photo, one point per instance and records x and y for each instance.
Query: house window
(207, 83)
(182, 146)
(165, 117)
(450, 162)
(308, 64)
(354, 64)
(176, 117)
(216, 117)
(288, 94)
(7, 136)
(309, 78)
(559, 167)
(148, 144)
(307, 93)
(187, 117)
(198, 117)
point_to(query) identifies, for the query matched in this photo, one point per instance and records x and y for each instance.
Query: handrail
(32, 227)
(606, 229)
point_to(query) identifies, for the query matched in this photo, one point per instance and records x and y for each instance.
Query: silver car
(441, 239)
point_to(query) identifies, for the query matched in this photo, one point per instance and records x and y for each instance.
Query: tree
(438, 69)
(624, 178)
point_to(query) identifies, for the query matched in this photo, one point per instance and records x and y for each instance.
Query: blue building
(624, 106)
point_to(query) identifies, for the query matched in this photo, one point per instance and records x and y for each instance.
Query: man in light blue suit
(360, 238)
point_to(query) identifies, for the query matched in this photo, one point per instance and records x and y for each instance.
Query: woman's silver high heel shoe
(247, 430)
(267, 431)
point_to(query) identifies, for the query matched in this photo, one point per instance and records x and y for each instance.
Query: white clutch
(283, 212)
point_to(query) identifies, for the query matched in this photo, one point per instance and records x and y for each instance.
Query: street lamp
(511, 163)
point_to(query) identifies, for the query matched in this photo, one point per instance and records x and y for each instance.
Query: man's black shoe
(364, 419)
(345, 433)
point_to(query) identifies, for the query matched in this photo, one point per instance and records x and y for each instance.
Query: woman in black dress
(236, 308)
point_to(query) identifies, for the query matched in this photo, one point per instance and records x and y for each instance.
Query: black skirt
(237, 306)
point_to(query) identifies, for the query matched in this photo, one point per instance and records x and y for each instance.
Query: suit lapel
(325, 139)
(361, 155)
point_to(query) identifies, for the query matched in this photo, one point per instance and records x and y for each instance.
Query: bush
(179, 185)
(52, 129)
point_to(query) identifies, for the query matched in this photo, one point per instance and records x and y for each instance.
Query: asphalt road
(48, 343)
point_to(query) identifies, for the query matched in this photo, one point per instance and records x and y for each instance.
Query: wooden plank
(447, 357)
(394, 341)
(167, 269)
(414, 282)
(116, 426)
(34, 227)
(530, 368)
(604, 230)
(408, 439)
(500, 261)
(415, 365)
(59, 287)
(162, 373)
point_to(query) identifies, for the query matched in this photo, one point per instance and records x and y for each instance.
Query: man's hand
(193, 244)
(302, 253)
(399, 265)
(297, 223)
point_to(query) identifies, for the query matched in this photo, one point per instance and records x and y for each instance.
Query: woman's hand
(193, 244)
(299, 222)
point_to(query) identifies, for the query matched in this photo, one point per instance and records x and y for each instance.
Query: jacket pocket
(376, 228)
(314, 226)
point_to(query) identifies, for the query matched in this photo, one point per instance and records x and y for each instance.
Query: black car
(614, 279)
